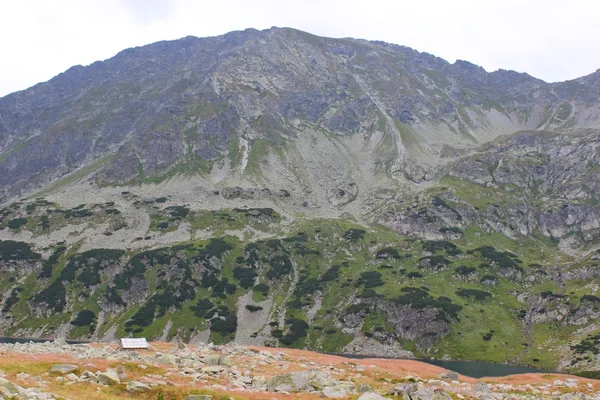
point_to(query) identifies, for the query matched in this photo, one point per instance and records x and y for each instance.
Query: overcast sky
(549, 39)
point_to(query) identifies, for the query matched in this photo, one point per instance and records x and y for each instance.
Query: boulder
(110, 377)
(166, 359)
(481, 387)
(332, 392)
(72, 377)
(64, 369)
(574, 396)
(417, 391)
(211, 359)
(9, 390)
(449, 375)
(439, 394)
(371, 396)
(136, 387)
(300, 381)
(198, 397)
(226, 361)
(364, 388)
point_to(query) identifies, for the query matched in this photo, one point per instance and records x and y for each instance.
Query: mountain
(275, 187)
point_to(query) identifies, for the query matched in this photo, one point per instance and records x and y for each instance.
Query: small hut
(133, 344)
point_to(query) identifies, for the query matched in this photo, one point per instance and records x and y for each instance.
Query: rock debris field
(56, 370)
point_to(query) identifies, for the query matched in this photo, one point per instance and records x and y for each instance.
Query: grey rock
(300, 381)
(9, 390)
(335, 393)
(136, 387)
(372, 396)
(64, 368)
(198, 397)
(481, 387)
(109, 377)
(449, 376)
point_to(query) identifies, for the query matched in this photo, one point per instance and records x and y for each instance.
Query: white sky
(549, 39)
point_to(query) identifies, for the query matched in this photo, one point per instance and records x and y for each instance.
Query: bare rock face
(341, 196)
(183, 105)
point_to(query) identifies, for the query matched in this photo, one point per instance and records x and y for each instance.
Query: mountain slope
(274, 187)
(194, 104)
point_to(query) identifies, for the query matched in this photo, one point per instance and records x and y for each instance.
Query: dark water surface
(476, 369)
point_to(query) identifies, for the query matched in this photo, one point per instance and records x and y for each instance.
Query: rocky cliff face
(200, 104)
(278, 188)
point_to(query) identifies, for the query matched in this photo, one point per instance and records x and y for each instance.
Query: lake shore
(53, 370)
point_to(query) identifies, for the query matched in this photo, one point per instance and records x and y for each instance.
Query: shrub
(436, 262)
(413, 275)
(388, 253)
(475, 293)
(298, 329)
(354, 234)
(202, 307)
(418, 298)
(589, 297)
(451, 230)
(261, 287)
(49, 264)
(84, 318)
(280, 266)
(13, 251)
(177, 212)
(332, 274)
(53, 296)
(16, 223)
(434, 245)
(11, 300)
(277, 333)
(224, 326)
(246, 276)
(503, 259)
(253, 308)
(370, 279)
(144, 316)
(464, 270)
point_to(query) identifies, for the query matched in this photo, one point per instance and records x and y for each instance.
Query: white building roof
(137, 343)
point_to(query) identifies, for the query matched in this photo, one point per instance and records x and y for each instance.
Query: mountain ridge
(278, 188)
(115, 121)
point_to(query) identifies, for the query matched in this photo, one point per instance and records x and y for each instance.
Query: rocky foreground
(56, 370)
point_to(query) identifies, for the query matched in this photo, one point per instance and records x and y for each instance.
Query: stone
(198, 397)
(372, 396)
(449, 376)
(136, 387)
(110, 377)
(300, 381)
(72, 377)
(211, 359)
(9, 390)
(334, 393)
(23, 376)
(364, 388)
(481, 387)
(212, 369)
(574, 396)
(64, 369)
(166, 359)
(439, 394)
(226, 361)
